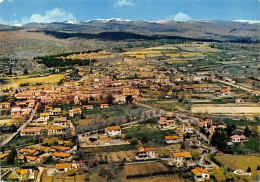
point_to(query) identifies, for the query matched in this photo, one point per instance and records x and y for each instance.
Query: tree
(195, 154)
(218, 174)
(129, 99)
(134, 141)
(258, 168)
(25, 71)
(247, 132)
(163, 152)
(12, 155)
(219, 139)
(110, 99)
(128, 136)
(248, 170)
(144, 139)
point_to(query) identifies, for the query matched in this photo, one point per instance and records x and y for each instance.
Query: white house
(181, 159)
(172, 139)
(200, 174)
(238, 138)
(145, 153)
(113, 130)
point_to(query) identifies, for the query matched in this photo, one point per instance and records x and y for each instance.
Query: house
(104, 106)
(88, 107)
(3, 156)
(60, 149)
(200, 174)
(24, 174)
(45, 116)
(63, 156)
(187, 129)
(238, 138)
(66, 166)
(16, 111)
(145, 153)
(113, 130)
(195, 143)
(181, 159)
(172, 139)
(31, 131)
(5, 105)
(74, 111)
(48, 108)
(55, 111)
(29, 159)
(30, 152)
(60, 121)
(250, 118)
(165, 123)
(205, 123)
(239, 100)
(55, 130)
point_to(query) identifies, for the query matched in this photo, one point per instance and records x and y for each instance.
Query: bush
(134, 141)
(71, 172)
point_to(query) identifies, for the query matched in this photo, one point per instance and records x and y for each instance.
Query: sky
(13, 12)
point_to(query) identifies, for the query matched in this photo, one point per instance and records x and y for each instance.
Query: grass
(156, 136)
(241, 162)
(240, 122)
(166, 104)
(21, 140)
(251, 146)
(15, 82)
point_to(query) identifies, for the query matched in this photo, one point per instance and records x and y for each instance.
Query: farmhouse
(64, 156)
(239, 100)
(31, 131)
(60, 121)
(16, 111)
(30, 159)
(113, 130)
(55, 111)
(200, 174)
(145, 153)
(60, 149)
(238, 138)
(31, 152)
(45, 116)
(181, 159)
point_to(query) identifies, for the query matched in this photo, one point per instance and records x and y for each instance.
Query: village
(132, 115)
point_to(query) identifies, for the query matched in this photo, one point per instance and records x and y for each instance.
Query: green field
(168, 105)
(242, 162)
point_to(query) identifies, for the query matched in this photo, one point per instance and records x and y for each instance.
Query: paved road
(8, 139)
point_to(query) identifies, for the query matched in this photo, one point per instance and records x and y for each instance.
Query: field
(11, 121)
(226, 109)
(241, 162)
(168, 105)
(169, 178)
(111, 157)
(145, 169)
(62, 178)
(15, 82)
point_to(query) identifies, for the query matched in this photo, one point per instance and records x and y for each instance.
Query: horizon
(21, 12)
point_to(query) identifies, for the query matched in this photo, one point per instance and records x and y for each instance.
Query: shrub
(134, 141)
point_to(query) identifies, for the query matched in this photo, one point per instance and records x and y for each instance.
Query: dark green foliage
(219, 139)
(248, 170)
(11, 157)
(25, 71)
(134, 141)
(247, 132)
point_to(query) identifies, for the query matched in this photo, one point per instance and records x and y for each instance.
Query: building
(239, 100)
(60, 121)
(145, 153)
(60, 149)
(181, 159)
(200, 174)
(238, 138)
(165, 123)
(55, 130)
(16, 111)
(5, 105)
(88, 107)
(62, 156)
(45, 116)
(113, 130)
(30, 152)
(66, 166)
(55, 111)
(74, 111)
(31, 131)
(104, 106)
(172, 139)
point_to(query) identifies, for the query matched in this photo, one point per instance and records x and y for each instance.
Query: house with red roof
(200, 174)
(238, 138)
(145, 153)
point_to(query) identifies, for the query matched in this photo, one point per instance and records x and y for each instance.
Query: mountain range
(208, 30)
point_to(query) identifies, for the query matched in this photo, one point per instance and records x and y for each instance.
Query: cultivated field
(144, 169)
(169, 178)
(226, 109)
(111, 157)
(15, 82)
(241, 162)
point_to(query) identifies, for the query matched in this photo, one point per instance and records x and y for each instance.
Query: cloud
(1, 1)
(7, 0)
(123, 3)
(181, 17)
(54, 15)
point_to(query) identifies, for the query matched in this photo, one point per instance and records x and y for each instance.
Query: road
(8, 139)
